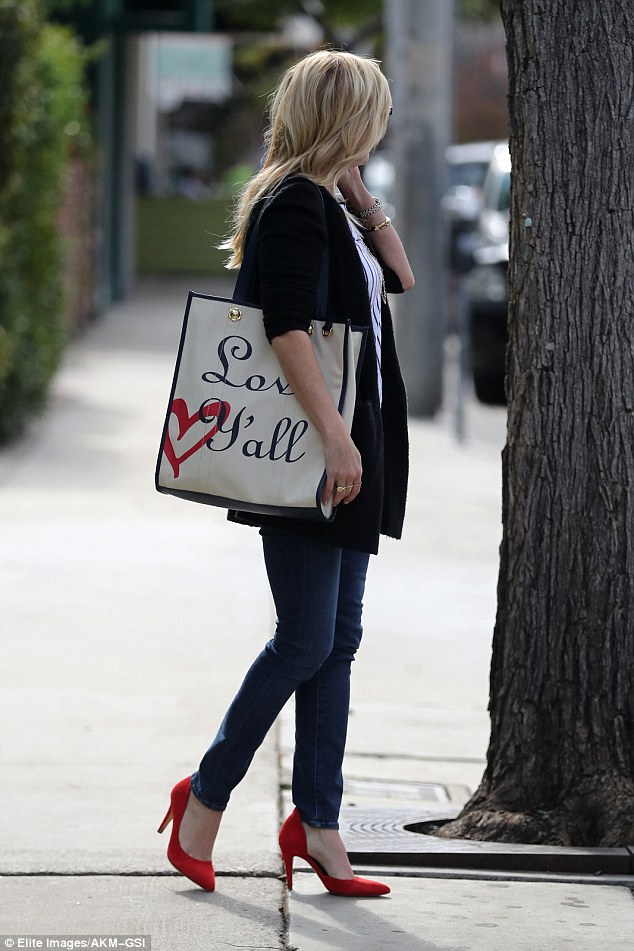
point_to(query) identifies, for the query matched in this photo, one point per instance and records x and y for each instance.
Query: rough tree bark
(560, 766)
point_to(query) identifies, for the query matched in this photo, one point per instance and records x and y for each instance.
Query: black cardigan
(294, 230)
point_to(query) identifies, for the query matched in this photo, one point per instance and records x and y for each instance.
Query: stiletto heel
(202, 873)
(293, 843)
(288, 865)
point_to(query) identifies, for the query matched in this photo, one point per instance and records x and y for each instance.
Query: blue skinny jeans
(318, 594)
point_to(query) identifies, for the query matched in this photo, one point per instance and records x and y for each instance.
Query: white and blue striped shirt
(374, 279)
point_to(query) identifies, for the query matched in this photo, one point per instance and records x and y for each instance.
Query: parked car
(467, 166)
(476, 204)
(486, 283)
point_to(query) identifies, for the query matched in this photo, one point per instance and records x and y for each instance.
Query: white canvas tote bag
(235, 435)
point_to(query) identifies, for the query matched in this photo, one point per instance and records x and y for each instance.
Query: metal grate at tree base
(388, 837)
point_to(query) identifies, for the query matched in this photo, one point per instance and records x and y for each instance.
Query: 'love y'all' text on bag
(235, 434)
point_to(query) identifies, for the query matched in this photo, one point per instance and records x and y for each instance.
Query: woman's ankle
(199, 828)
(326, 845)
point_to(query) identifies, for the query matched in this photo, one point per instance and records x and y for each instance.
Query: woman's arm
(386, 241)
(291, 245)
(343, 460)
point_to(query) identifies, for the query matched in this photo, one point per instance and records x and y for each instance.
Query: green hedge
(178, 236)
(42, 118)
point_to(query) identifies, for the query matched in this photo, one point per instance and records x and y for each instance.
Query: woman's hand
(351, 186)
(343, 460)
(343, 468)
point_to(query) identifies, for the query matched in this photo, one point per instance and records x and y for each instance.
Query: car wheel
(489, 388)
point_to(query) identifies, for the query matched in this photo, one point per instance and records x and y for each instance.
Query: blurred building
(480, 82)
(150, 60)
(159, 89)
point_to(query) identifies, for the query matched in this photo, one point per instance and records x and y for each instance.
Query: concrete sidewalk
(128, 620)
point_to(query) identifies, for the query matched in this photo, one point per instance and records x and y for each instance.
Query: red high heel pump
(202, 873)
(293, 843)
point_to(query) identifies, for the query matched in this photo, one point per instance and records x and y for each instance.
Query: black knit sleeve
(291, 245)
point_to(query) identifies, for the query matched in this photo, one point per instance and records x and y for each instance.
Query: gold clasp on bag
(310, 330)
(326, 332)
(235, 314)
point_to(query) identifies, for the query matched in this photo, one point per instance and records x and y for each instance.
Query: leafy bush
(42, 119)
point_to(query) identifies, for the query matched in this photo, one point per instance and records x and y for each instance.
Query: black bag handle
(248, 260)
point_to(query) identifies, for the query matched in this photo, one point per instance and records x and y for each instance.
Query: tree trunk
(560, 766)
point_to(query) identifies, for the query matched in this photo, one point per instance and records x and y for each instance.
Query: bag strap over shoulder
(248, 260)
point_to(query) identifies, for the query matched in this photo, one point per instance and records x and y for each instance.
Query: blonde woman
(329, 112)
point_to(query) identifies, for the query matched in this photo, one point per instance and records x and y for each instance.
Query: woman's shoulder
(297, 206)
(301, 207)
(294, 190)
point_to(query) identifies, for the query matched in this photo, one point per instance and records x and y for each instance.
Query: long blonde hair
(329, 110)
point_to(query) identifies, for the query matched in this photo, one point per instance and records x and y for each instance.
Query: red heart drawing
(218, 409)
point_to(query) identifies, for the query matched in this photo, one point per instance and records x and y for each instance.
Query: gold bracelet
(384, 224)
